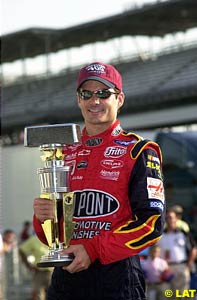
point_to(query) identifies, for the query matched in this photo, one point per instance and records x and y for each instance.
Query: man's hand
(81, 261)
(43, 209)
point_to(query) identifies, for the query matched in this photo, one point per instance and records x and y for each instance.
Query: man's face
(98, 111)
(9, 240)
(171, 220)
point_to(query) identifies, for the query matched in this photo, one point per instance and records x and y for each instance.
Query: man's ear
(121, 98)
(78, 101)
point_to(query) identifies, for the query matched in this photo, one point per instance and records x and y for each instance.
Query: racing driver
(119, 198)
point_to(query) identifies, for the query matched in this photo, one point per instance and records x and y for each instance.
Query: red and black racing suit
(119, 211)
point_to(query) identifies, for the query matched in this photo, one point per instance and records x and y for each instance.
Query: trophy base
(55, 259)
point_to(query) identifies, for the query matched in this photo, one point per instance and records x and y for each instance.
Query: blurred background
(43, 45)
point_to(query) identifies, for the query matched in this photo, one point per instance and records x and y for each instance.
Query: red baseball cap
(101, 72)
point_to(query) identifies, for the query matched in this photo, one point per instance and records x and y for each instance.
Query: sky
(22, 14)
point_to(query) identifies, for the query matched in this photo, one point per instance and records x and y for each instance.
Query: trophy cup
(55, 186)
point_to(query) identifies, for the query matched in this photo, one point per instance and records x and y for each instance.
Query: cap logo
(106, 74)
(96, 68)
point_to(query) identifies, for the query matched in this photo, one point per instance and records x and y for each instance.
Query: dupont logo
(115, 152)
(94, 203)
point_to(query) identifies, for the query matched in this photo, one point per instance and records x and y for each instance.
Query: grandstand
(168, 81)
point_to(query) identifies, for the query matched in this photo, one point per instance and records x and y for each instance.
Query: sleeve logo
(155, 189)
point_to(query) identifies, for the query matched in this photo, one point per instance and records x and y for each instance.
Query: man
(30, 252)
(181, 224)
(26, 231)
(9, 240)
(157, 273)
(9, 276)
(178, 248)
(119, 198)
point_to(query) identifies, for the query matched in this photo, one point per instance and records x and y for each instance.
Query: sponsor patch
(123, 143)
(155, 189)
(116, 131)
(82, 165)
(111, 175)
(84, 152)
(154, 166)
(115, 152)
(96, 68)
(112, 163)
(94, 203)
(153, 158)
(72, 147)
(94, 142)
(70, 156)
(156, 204)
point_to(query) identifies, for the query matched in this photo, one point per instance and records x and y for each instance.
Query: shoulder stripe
(138, 148)
(132, 134)
(141, 145)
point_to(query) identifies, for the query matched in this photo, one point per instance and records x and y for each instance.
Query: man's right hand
(43, 209)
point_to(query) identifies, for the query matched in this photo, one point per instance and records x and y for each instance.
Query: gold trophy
(55, 186)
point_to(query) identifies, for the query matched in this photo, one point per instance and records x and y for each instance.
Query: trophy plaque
(55, 185)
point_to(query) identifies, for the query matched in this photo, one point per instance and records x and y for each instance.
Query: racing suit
(119, 211)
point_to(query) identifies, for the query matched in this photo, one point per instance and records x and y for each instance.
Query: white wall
(20, 184)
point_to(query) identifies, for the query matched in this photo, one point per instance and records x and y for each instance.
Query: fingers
(75, 267)
(81, 261)
(43, 209)
(78, 264)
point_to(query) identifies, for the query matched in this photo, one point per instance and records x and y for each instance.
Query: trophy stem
(55, 225)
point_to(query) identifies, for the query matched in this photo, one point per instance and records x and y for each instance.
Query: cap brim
(102, 80)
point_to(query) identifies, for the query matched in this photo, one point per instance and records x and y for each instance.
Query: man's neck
(96, 129)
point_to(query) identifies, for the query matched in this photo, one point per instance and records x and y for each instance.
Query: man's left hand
(81, 261)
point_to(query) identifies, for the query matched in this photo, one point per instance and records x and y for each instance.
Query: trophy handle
(68, 211)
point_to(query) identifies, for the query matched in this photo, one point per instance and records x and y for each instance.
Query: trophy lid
(52, 136)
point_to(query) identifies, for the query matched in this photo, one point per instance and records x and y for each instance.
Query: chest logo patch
(124, 143)
(94, 142)
(115, 152)
(94, 203)
(112, 163)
